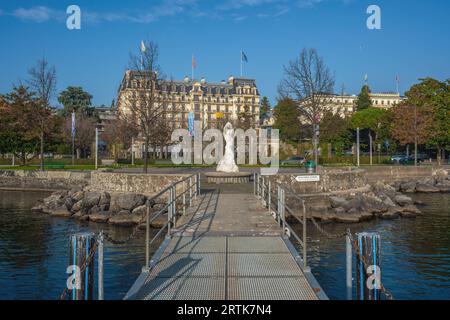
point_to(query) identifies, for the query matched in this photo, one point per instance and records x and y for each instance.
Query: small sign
(308, 178)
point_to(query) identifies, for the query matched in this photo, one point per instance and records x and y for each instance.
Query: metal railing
(190, 191)
(264, 189)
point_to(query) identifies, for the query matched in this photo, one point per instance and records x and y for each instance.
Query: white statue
(227, 163)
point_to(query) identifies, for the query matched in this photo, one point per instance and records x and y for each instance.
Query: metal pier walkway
(226, 247)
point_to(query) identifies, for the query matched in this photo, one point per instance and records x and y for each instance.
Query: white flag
(142, 46)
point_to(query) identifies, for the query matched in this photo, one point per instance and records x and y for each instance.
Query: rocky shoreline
(385, 201)
(120, 209)
(379, 200)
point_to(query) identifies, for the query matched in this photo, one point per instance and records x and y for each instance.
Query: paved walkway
(226, 247)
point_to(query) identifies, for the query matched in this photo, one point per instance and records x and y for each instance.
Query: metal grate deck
(224, 267)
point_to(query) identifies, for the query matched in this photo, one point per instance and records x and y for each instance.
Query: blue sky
(413, 42)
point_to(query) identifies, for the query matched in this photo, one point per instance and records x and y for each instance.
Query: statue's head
(228, 126)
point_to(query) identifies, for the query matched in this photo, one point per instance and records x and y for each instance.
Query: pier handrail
(262, 187)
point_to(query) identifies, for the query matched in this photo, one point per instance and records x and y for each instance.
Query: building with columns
(211, 103)
(345, 105)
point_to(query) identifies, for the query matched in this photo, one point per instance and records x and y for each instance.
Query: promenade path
(226, 247)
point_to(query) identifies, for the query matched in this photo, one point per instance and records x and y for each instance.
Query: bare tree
(43, 82)
(119, 134)
(308, 81)
(146, 109)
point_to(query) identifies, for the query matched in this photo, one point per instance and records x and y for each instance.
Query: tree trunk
(42, 149)
(146, 155)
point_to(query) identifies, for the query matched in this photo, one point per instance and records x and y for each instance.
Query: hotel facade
(211, 103)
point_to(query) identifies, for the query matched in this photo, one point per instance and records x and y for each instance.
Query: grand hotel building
(211, 103)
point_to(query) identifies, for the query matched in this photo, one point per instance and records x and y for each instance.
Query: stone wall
(330, 181)
(42, 180)
(389, 174)
(146, 184)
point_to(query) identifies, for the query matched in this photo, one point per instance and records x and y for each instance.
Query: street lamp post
(357, 146)
(96, 147)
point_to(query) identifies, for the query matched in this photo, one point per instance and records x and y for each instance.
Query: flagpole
(73, 138)
(241, 63)
(397, 82)
(192, 67)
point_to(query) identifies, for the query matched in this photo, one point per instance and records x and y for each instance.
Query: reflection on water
(415, 253)
(34, 251)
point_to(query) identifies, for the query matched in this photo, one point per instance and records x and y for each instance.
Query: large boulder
(409, 187)
(61, 212)
(337, 202)
(81, 215)
(101, 217)
(141, 210)
(443, 187)
(77, 196)
(91, 199)
(125, 219)
(105, 199)
(403, 200)
(94, 209)
(74, 191)
(426, 188)
(77, 206)
(126, 201)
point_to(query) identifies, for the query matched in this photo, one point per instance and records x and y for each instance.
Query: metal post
(96, 148)
(283, 217)
(81, 283)
(184, 198)
(368, 277)
(257, 187)
(169, 212)
(174, 205)
(305, 253)
(190, 192)
(269, 198)
(278, 205)
(195, 186)
(199, 186)
(254, 183)
(147, 238)
(132, 151)
(348, 256)
(357, 146)
(100, 267)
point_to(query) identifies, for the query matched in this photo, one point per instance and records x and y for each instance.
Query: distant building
(345, 105)
(106, 115)
(210, 103)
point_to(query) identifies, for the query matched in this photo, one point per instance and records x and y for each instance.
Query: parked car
(398, 157)
(294, 161)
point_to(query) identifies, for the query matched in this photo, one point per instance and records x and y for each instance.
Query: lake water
(34, 252)
(415, 253)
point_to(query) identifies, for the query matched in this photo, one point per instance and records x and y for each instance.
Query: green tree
(363, 102)
(287, 119)
(335, 130)
(265, 108)
(76, 99)
(375, 120)
(19, 130)
(435, 95)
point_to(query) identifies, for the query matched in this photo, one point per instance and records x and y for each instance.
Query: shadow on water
(415, 252)
(34, 251)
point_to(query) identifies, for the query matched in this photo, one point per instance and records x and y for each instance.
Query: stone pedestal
(228, 177)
